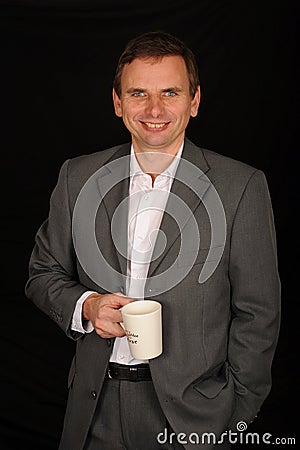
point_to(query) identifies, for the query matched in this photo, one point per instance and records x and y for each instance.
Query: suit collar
(195, 155)
(117, 167)
(191, 153)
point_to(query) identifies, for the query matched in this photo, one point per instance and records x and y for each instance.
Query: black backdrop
(57, 63)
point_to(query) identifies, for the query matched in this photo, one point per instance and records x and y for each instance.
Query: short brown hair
(157, 44)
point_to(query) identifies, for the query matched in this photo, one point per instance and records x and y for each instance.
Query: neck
(154, 162)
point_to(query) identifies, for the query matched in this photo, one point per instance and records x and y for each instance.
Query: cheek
(181, 109)
(130, 111)
(184, 115)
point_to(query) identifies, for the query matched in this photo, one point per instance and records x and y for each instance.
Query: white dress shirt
(146, 208)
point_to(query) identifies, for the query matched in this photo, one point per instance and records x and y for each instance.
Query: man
(220, 331)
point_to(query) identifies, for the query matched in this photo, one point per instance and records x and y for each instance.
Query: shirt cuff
(77, 323)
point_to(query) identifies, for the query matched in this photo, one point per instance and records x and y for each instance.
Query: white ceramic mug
(143, 326)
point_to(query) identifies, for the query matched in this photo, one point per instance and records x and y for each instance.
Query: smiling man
(219, 335)
(156, 102)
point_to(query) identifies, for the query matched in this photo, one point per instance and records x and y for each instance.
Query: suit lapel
(189, 173)
(117, 169)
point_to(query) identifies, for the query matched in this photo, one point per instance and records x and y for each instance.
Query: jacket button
(108, 341)
(94, 394)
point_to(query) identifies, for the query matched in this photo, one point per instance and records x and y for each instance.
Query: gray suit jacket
(219, 336)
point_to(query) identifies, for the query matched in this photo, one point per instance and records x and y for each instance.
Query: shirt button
(94, 394)
(122, 357)
(108, 341)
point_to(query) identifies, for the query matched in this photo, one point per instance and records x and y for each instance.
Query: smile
(155, 125)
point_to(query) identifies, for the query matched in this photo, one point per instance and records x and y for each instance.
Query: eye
(170, 94)
(138, 94)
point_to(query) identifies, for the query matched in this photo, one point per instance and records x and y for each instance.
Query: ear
(195, 102)
(117, 104)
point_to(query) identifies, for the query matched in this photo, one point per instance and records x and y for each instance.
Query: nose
(154, 106)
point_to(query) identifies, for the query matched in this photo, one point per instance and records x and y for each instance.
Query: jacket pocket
(210, 386)
(72, 372)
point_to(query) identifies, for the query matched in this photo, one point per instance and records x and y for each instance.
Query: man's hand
(103, 311)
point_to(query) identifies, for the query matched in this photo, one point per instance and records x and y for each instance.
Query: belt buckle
(109, 374)
(133, 371)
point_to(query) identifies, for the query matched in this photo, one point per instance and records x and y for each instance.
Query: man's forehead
(166, 68)
(156, 60)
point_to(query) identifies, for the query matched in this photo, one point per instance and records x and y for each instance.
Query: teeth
(154, 125)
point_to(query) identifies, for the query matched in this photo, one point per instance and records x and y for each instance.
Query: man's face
(155, 103)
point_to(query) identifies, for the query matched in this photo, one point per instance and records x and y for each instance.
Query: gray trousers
(128, 417)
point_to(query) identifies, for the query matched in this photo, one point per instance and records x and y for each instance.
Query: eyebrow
(133, 90)
(173, 89)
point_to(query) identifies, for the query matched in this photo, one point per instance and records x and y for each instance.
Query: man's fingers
(104, 312)
(112, 330)
(116, 300)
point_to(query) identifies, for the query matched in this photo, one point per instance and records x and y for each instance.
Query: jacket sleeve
(255, 289)
(53, 280)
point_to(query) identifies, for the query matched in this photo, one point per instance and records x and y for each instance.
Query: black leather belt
(138, 372)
